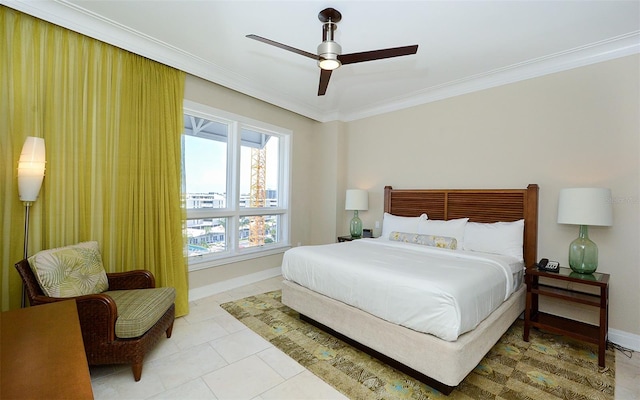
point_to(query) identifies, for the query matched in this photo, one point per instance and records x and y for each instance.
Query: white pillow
(504, 238)
(452, 228)
(395, 223)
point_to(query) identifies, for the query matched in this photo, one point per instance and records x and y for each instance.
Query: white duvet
(437, 291)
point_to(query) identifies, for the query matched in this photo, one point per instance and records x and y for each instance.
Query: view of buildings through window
(231, 183)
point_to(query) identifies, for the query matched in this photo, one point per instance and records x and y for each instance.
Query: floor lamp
(30, 176)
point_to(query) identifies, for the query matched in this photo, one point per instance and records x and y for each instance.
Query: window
(235, 186)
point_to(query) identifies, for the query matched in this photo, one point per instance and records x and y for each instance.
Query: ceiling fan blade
(283, 46)
(325, 74)
(377, 54)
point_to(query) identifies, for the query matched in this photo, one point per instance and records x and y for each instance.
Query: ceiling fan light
(328, 52)
(329, 64)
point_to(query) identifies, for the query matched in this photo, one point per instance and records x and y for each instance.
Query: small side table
(565, 326)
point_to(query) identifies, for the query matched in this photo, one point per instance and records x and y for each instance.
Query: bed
(441, 362)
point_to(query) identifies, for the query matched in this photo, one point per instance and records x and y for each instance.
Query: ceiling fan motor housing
(329, 50)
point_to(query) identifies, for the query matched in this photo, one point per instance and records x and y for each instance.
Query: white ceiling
(463, 45)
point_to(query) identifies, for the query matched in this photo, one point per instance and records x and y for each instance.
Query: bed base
(442, 366)
(439, 386)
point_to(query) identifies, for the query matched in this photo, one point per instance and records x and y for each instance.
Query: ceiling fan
(330, 55)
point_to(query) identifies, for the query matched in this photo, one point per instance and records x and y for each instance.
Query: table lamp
(584, 207)
(357, 200)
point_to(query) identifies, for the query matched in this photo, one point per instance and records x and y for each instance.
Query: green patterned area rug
(547, 367)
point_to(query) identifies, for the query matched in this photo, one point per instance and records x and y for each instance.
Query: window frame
(233, 212)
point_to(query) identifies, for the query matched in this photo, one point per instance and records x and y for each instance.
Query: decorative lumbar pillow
(396, 223)
(450, 228)
(70, 271)
(504, 238)
(442, 242)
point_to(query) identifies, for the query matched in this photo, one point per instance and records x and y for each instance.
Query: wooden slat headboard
(479, 205)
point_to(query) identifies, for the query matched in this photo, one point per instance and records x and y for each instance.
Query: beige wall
(569, 129)
(328, 174)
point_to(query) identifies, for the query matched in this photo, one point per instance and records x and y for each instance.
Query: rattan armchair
(98, 314)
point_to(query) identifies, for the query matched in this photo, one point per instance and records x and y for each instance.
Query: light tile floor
(213, 356)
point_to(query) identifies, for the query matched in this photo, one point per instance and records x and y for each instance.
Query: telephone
(549, 266)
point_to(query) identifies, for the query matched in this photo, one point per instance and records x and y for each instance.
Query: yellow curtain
(112, 122)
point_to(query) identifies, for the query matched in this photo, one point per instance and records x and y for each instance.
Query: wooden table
(42, 353)
(565, 326)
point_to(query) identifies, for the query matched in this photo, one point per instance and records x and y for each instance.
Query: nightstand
(565, 326)
(347, 238)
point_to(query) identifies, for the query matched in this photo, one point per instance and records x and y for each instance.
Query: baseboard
(625, 339)
(219, 287)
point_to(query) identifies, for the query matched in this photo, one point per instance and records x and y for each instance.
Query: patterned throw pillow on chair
(70, 271)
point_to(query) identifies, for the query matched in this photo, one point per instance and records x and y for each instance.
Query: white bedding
(437, 291)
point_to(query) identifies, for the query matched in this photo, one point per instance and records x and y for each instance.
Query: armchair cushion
(140, 309)
(70, 271)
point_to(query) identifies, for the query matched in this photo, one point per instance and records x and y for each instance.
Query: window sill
(211, 261)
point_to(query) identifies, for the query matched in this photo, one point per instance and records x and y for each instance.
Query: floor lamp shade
(584, 207)
(356, 200)
(31, 168)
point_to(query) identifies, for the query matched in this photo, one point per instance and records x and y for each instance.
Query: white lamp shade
(357, 200)
(585, 206)
(31, 168)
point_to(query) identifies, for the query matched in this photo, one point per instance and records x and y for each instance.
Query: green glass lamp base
(355, 227)
(583, 253)
(586, 277)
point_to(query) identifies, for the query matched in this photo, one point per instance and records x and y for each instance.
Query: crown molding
(70, 16)
(613, 48)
